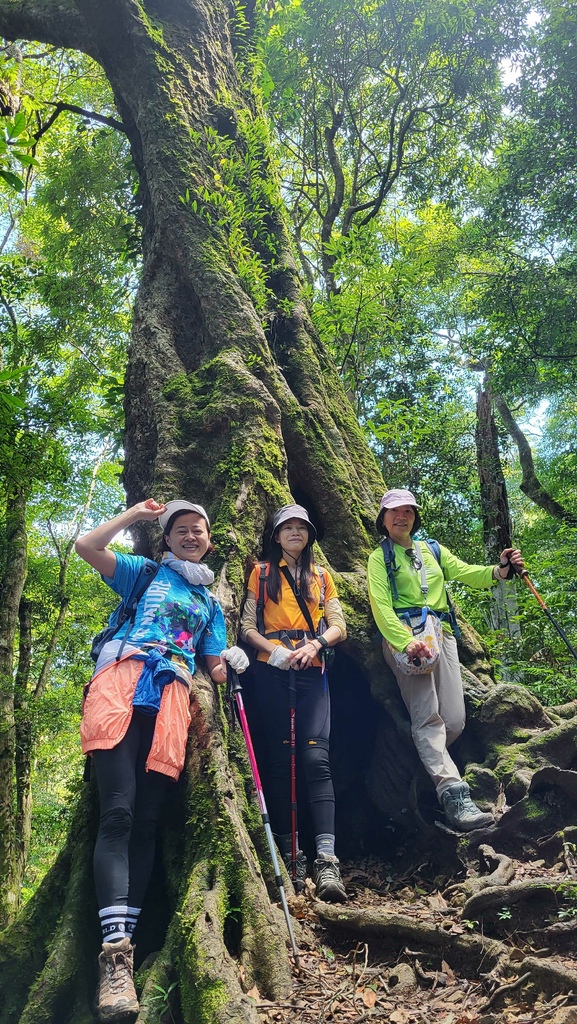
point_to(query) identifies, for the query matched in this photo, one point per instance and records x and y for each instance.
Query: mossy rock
(508, 709)
(484, 784)
(518, 786)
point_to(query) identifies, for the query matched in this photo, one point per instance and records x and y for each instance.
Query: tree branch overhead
(55, 22)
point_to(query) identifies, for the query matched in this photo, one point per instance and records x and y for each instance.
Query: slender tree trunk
(27, 692)
(496, 518)
(494, 499)
(530, 484)
(23, 736)
(10, 593)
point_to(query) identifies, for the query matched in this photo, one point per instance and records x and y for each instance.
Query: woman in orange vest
(136, 715)
(291, 630)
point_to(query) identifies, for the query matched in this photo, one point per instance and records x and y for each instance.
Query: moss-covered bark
(12, 584)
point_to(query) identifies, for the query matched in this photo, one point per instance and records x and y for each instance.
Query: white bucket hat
(181, 506)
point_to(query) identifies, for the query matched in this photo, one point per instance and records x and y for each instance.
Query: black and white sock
(131, 920)
(112, 922)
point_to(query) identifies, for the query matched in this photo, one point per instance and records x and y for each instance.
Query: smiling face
(189, 537)
(399, 522)
(293, 536)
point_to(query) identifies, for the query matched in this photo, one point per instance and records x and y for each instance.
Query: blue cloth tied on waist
(157, 672)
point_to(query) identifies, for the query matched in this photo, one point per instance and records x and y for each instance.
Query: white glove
(280, 658)
(236, 658)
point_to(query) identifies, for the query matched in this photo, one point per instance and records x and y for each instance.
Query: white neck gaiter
(195, 573)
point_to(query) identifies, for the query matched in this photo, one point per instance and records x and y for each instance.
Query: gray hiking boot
(461, 812)
(327, 878)
(301, 872)
(116, 997)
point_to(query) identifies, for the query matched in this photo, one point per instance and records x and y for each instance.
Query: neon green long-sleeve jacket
(408, 580)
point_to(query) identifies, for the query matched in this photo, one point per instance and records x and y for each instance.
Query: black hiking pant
(130, 804)
(313, 722)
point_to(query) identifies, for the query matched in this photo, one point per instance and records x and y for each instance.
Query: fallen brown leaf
(448, 971)
(437, 902)
(399, 1017)
(369, 998)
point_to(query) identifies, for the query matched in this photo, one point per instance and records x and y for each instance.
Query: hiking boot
(116, 998)
(327, 878)
(301, 872)
(460, 811)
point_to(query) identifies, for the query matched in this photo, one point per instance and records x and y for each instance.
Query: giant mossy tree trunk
(230, 400)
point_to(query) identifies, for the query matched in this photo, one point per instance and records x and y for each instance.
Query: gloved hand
(281, 658)
(236, 658)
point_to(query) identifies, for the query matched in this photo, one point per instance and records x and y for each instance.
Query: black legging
(313, 723)
(130, 804)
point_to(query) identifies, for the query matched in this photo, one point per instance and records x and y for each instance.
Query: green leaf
(13, 180)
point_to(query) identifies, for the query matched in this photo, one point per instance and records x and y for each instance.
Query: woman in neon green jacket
(434, 700)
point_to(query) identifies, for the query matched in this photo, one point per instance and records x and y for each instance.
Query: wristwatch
(324, 643)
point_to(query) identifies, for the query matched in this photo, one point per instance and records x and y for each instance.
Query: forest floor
(346, 980)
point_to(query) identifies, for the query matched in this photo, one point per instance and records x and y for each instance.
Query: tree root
(550, 975)
(492, 899)
(57, 945)
(477, 957)
(224, 885)
(511, 986)
(474, 953)
(494, 869)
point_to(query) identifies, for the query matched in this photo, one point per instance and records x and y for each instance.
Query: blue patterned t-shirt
(187, 619)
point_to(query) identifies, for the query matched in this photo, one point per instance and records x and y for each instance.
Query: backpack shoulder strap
(435, 548)
(260, 597)
(128, 608)
(321, 575)
(145, 577)
(390, 565)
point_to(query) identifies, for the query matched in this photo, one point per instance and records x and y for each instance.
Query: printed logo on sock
(110, 927)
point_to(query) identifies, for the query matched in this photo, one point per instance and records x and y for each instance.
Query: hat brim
(172, 507)
(416, 525)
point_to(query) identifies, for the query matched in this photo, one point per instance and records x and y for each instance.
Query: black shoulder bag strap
(299, 598)
(260, 597)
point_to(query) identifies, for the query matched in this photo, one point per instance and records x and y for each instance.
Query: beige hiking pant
(437, 710)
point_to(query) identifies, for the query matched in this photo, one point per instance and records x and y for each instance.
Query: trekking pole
(235, 689)
(293, 768)
(525, 577)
